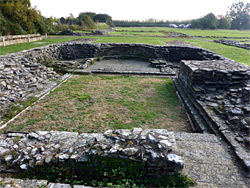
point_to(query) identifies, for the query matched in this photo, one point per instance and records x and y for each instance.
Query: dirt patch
(123, 65)
(98, 103)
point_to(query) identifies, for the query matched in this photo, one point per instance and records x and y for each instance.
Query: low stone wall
(218, 92)
(16, 39)
(93, 33)
(24, 73)
(234, 43)
(215, 92)
(156, 149)
(167, 53)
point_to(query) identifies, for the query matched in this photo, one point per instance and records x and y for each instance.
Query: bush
(106, 172)
(75, 27)
(61, 27)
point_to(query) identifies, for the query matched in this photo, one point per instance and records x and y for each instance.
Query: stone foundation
(216, 95)
(156, 149)
(214, 90)
(25, 73)
(234, 43)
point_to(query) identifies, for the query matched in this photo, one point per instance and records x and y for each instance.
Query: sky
(135, 9)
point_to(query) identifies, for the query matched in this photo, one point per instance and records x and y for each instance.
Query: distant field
(197, 32)
(157, 36)
(138, 33)
(131, 39)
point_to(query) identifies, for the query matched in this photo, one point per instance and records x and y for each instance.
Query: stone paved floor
(122, 65)
(207, 161)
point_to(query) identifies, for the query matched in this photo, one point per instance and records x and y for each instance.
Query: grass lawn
(139, 33)
(238, 54)
(131, 39)
(98, 103)
(26, 46)
(197, 32)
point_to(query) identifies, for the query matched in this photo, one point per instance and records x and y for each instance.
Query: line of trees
(237, 18)
(17, 17)
(147, 23)
(85, 20)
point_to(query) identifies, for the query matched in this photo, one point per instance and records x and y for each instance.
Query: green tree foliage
(207, 22)
(148, 23)
(104, 18)
(62, 20)
(224, 22)
(24, 2)
(239, 13)
(85, 21)
(18, 17)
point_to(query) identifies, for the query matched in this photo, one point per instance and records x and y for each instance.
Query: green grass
(102, 26)
(138, 33)
(106, 172)
(26, 46)
(98, 103)
(17, 108)
(197, 32)
(154, 38)
(131, 39)
(238, 54)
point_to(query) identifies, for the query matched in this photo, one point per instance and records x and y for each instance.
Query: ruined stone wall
(234, 43)
(220, 92)
(155, 148)
(168, 53)
(217, 88)
(24, 73)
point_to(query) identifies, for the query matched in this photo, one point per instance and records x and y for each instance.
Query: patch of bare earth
(98, 103)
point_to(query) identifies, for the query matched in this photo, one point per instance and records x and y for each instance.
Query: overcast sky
(135, 9)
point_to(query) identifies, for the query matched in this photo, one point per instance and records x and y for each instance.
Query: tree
(18, 17)
(62, 20)
(85, 21)
(239, 14)
(224, 22)
(24, 2)
(209, 21)
(104, 18)
(206, 22)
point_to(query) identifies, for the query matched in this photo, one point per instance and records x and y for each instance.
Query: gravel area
(123, 65)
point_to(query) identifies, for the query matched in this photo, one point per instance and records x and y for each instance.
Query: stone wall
(23, 73)
(217, 87)
(167, 53)
(220, 92)
(16, 39)
(234, 43)
(155, 148)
